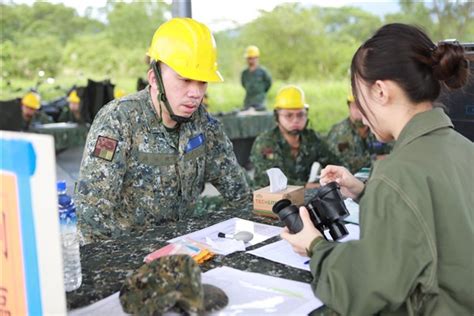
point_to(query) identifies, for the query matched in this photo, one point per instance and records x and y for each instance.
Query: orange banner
(12, 278)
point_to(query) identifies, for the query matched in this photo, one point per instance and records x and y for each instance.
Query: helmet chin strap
(163, 99)
(293, 132)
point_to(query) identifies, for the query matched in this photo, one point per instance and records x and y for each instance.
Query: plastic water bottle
(69, 239)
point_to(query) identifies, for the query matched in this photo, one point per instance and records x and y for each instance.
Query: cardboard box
(263, 199)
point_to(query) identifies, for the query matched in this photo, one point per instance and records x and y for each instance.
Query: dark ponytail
(450, 65)
(405, 54)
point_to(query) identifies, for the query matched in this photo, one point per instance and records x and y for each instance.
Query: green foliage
(33, 38)
(38, 53)
(289, 38)
(441, 19)
(132, 24)
(54, 39)
(300, 43)
(347, 23)
(230, 55)
(24, 58)
(80, 56)
(44, 19)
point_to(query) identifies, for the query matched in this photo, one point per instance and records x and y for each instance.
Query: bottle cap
(61, 185)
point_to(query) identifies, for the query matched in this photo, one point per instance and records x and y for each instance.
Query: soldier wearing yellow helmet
(30, 110)
(72, 112)
(149, 154)
(290, 146)
(256, 80)
(353, 141)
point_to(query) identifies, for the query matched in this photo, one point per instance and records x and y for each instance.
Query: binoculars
(326, 210)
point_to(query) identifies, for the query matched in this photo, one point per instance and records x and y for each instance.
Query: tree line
(298, 42)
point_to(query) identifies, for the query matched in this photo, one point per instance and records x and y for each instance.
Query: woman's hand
(350, 186)
(301, 241)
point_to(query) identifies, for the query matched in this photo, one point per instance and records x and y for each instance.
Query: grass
(327, 99)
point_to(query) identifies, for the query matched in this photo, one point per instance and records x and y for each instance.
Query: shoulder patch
(105, 148)
(267, 153)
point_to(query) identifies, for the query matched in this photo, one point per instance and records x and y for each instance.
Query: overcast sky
(221, 14)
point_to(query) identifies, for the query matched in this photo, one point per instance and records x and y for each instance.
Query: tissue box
(263, 199)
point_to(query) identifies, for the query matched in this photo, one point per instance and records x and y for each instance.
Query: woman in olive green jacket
(415, 254)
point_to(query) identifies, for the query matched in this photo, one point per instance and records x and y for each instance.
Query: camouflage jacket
(256, 84)
(66, 115)
(38, 119)
(135, 172)
(416, 226)
(353, 150)
(270, 150)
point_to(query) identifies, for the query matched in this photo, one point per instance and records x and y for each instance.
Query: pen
(193, 248)
(306, 262)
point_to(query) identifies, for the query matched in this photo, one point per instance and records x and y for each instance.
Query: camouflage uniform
(170, 283)
(270, 150)
(256, 84)
(38, 119)
(66, 115)
(135, 172)
(354, 151)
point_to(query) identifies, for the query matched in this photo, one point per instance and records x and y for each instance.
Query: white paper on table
(261, 232)
(107, 306)
(249, 294)
(224, 245)
(282, 252)
(353, 209)
(258, 294)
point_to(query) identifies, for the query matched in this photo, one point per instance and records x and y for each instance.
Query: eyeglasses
(292, 115)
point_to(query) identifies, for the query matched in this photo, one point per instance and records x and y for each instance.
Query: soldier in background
(72, 112)
(149, 154)
(353, 142)
(256, 80)
(30, 111)
(290, 146)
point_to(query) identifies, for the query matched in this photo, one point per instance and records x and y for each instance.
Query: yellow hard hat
(118, 93)
(290, 98)
(188, 47)
(31, 100)
(252, 51)
(73, 97)
(350, 97)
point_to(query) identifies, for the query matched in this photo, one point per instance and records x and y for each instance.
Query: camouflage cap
(170, 283)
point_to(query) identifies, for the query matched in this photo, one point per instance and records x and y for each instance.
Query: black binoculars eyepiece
(326, 210)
